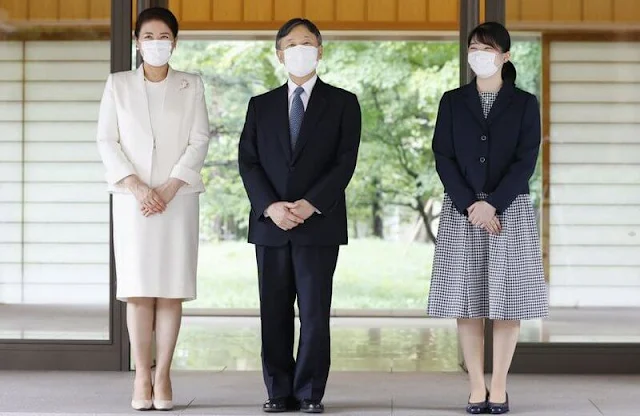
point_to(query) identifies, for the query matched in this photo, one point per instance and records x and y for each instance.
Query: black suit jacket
(496, 156)
(318, 170)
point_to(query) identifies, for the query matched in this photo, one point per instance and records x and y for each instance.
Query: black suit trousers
(286, 273)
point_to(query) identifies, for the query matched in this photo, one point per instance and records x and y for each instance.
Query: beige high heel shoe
(142, 404)
(162, 404)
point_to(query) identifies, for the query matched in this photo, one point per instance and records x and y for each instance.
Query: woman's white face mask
(483, 63)
(156, 52)
(301, 60)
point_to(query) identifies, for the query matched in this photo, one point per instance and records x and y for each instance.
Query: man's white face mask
(301, 60)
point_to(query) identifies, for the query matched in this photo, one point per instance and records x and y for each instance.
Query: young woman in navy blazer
(488, 263)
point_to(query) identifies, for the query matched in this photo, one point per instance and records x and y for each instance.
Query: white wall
(595, 174)
(54, 211)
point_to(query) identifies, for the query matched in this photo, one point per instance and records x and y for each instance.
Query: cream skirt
(156, 256)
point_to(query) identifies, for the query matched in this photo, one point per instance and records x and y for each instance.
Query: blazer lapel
(281, 117)
(472, 100)
(502, 102)
(140, 95)
(313, 114)
(173, 106)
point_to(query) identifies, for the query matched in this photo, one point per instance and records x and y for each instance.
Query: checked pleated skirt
(478, 275)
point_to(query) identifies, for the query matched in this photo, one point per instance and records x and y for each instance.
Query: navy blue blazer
(318, 170)
(496, 156)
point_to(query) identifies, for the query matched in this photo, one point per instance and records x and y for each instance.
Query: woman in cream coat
(153, 136)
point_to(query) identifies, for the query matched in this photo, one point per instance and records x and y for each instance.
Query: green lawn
(371, 274)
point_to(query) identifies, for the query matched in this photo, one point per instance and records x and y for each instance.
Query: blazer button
(482, 160)
(483, 137)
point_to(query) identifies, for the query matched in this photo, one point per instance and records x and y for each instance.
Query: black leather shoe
(311, 406)
(275, 406)
(499, 408)
(479, 407)
(293, 404)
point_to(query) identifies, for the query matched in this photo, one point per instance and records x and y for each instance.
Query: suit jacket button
(482, 159)
(483, 137)
(292, 168)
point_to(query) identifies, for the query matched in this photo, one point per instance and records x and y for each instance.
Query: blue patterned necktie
(296, 116)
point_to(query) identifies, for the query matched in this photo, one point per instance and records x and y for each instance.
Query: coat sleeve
(113, 157)
(524, 163)
(455, 185)
(324, 194)
(259, 189)
(192, 160)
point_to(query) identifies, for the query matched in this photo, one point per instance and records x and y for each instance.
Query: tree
(399, 85)
(233, 72)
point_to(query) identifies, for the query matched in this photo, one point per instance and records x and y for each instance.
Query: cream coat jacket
(125, 138)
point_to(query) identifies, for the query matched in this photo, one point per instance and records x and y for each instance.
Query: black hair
(496, 35)
(160, 14)
(292, 24)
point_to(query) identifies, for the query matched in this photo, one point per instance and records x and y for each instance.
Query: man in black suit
(297, 154)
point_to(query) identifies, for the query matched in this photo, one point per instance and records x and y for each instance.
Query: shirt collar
(308, 86)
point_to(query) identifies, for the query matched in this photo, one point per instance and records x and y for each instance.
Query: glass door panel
(55, 275)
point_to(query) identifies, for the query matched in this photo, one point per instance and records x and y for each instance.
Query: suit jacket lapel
(502, 102)
(472, 100)
(312, 115)
(281, 117)
(173, 107)
(140, 94)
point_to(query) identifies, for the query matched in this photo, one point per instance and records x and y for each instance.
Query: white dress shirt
(308, 88)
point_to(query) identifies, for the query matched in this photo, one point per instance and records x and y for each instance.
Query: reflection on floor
(388, 344)
(371, 344)
(348, 394)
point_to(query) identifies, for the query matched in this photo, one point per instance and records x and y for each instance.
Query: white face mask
(301, 60)
(156, 52)
(483, 63)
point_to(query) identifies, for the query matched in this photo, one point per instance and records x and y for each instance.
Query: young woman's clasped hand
(483, 215)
